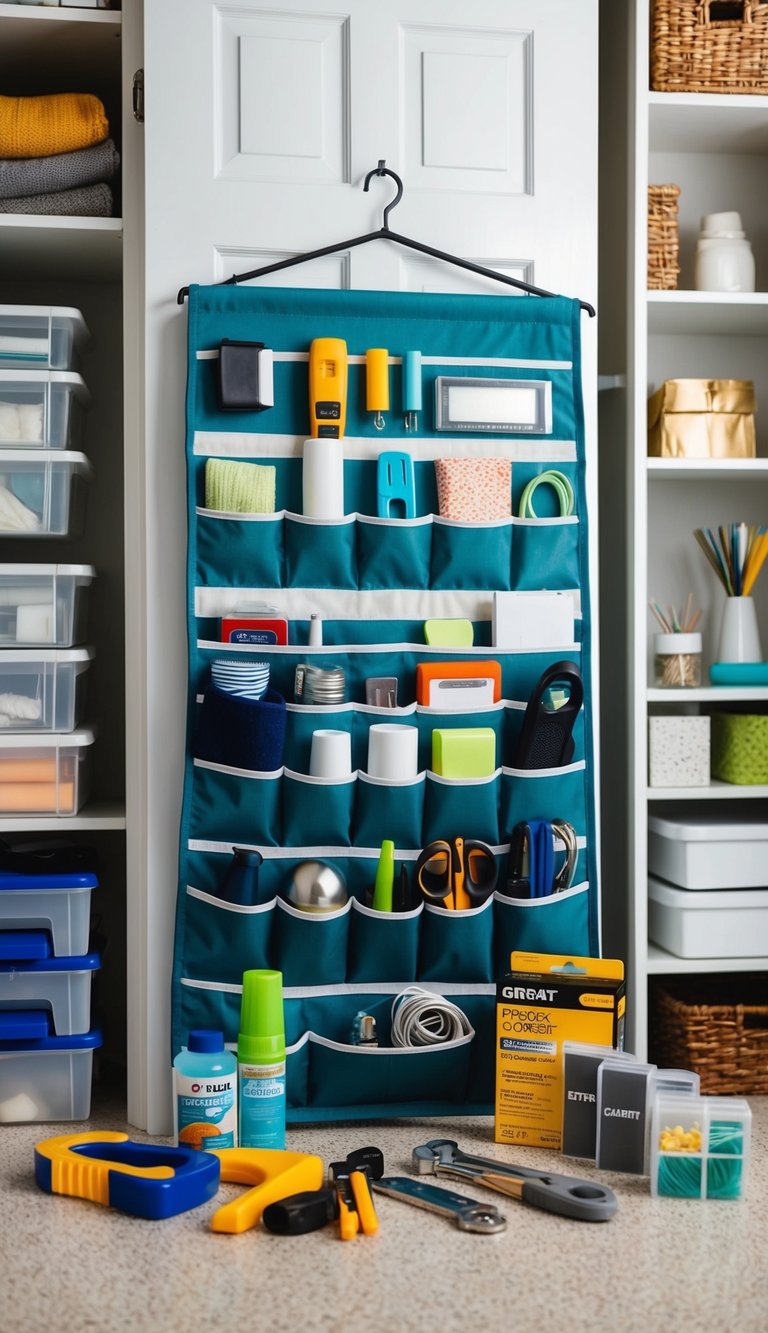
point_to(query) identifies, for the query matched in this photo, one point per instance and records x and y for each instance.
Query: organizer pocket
(543, 793)
(388, 810)
(545, 553)
(239, 550)
(341, 1075)
(320, 552)
(235, 805)
(456, 946)
(205, 1005)
(557, 924)
(429, 719)
(297, 1072)
(462, 807)
(222, 940)
(393, 553)
(317, 812)
(311, 947)
(383, 946)
(470, 555)
(303, 720)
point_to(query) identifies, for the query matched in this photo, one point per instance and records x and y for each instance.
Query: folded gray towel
(63, 171)
(90, 201)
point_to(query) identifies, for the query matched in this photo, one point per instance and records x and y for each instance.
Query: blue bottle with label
(205, 1092)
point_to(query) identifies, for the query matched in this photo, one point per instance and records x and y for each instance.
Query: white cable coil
(422, 1018)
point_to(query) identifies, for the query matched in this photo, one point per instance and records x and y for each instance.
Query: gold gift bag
(702, 419)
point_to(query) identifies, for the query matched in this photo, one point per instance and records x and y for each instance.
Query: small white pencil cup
(393, 751)
(739, 635)
(330, 754)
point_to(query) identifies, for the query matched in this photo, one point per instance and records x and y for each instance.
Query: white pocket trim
(241, 908)
(551, 899)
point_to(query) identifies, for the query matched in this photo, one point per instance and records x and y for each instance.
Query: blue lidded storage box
(45, 1078)
(57, 904)
(58, 988)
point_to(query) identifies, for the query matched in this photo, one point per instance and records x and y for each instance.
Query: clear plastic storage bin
(42, 494)
(42, 336)
(45, 774)
(708, 924)
(44, 604)
(46, 1078)
(58, 989)
(58, 906)
(41, 408)
(699, 1147)
(43, 689)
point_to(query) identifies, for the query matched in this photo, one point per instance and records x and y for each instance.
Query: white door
(261, 123)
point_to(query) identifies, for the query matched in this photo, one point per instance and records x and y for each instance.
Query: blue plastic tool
(395, 486)
(412, 389)
(144, 1179)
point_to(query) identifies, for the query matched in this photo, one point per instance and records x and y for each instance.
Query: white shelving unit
(716, 149)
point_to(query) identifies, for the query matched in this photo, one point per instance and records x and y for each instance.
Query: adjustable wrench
(567, 1195)
(469, 1214)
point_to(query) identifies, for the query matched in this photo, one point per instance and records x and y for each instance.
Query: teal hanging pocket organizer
(374, 581)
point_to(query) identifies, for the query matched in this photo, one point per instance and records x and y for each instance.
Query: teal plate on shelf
(739, 673)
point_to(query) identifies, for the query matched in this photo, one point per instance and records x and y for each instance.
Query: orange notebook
(429, 674)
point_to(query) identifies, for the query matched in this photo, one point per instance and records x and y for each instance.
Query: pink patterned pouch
(474, 490)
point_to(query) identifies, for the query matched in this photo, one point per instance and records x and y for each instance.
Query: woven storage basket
(718, 1028)
(663, 237)
(740, 748)
(709, 46)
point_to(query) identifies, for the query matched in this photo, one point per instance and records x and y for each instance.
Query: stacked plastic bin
(46, 1046)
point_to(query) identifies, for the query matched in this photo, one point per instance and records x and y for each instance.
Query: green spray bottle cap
(261, 1038)
(385, 878)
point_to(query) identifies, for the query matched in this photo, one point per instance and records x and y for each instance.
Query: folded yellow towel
(57, 123)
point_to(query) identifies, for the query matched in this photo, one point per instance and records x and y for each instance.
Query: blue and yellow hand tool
(144, 1179)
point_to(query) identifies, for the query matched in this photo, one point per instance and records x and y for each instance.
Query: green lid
(262, 1025)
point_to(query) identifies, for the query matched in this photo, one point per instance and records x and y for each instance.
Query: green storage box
(740, 748)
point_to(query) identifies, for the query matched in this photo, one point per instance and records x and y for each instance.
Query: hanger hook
(383, 170)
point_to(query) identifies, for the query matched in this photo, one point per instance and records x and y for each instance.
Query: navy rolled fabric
(242, 733)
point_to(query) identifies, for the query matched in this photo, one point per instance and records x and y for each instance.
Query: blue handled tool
(395, 486)
(144, 1179)
(412, 389)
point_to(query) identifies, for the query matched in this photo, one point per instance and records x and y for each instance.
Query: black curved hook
(383, 170)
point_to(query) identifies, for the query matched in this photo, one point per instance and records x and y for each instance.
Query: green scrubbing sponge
(239, 488)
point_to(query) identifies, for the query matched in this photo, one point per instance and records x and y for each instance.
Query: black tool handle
(300, 1213)
(545, 739)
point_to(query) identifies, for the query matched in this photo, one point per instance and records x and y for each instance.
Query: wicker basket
(717, 1027)
(663, 237)
(709, 46)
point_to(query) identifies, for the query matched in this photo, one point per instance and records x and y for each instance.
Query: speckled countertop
(659, 1264)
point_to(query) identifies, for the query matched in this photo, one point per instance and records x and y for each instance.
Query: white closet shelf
(716, 791)
(707, 469)
(743, 314)
(60, 247)
(707, 123)
(95, 816)
(720, 694)
(663, 964)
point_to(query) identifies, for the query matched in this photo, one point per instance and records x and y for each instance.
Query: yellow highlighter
(327, 388)
(377, 384)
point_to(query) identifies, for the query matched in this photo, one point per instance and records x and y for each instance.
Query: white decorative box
(678, 751)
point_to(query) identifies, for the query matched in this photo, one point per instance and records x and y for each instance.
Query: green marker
(261, 1061)
(383, 888)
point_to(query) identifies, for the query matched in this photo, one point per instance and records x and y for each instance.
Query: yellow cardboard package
(544, 1000)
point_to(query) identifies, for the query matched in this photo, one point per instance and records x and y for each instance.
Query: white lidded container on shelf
(46, 337)
(41, 409)
(42, 689)
(45, 774)
(728, 924)
(44, 604)
(42, 494)
(698, 850)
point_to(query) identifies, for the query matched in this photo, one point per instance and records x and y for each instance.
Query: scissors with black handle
(457, 873)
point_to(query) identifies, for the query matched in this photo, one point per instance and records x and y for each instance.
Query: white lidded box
(698, 851)
(41, 409)
(43, 689)
(57, 990)
(57, 906)
(728, 924)
(42, 493)
(47, 1078)
(44, 604)
(678, 751)
(51, 337)
(43, 774)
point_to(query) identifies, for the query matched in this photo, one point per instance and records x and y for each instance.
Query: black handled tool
(546, 739)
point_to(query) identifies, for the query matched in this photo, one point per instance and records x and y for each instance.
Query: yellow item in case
(54, 123)
(544, 1000)
(377, 384)
(273, 1175)
(327, 388)
(702, 419)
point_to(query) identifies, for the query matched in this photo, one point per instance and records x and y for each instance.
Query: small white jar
(724, 259)
(677, 661)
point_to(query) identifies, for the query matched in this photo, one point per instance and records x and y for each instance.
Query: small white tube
(323, 479)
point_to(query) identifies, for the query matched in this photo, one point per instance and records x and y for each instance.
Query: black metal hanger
(385, 234)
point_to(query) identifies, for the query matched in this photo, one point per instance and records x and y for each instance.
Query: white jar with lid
(724, 259)
(677, 661)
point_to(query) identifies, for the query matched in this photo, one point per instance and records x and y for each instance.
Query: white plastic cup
(330, 754)
(323, 479)
(739, 635)
(393, 751)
